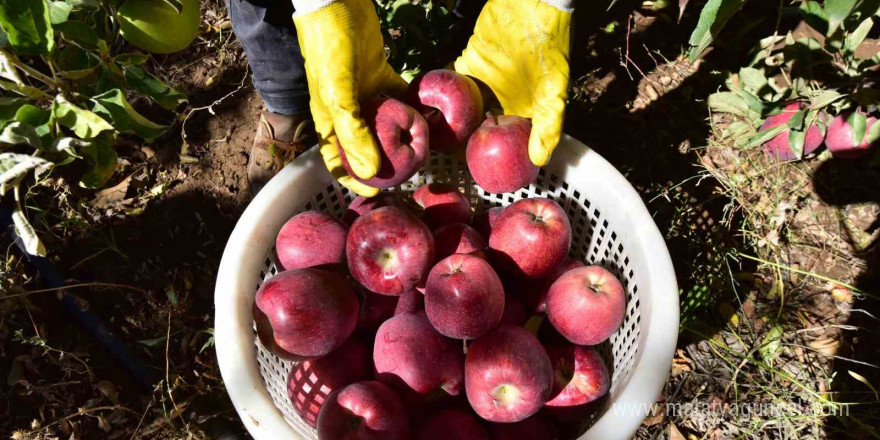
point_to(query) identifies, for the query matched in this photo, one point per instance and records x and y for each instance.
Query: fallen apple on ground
(780, 146)
(363, 411)
(305, 313)
(402, 136)
(841, 138)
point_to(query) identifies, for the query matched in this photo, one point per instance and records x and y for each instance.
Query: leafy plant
(65, 85)
(820, 69)
(415, 31)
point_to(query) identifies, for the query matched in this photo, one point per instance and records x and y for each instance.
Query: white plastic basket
(610, 227)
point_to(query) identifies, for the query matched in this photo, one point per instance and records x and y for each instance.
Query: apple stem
(492, 118)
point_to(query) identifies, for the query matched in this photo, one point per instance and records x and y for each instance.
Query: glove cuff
(301, 7)
(562, 5)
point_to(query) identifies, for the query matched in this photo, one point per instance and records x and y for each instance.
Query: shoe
(278, 141)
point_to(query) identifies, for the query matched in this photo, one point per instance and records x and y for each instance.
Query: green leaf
(84, 4)
(796, 138)
(142, 82)
(7, 69)
(728, 102)
(713, 18)
(27, 26)
(79, 33)
(23, 90)
(154, 342)
(772, 343)
(84, 123)
(131, 59)
(815, 16)
(113, 106)
(858, 122)
(176, 4)
(873, 133)
(14, 167)
(77, 74)
(837, 11)
(59, 11)
(8, 107)
(765, 135)
(824, 98)
(32, 115)
(752, 79)
(16, 133)
(102, 159)
(856, 37)
(26, 233)
(4, 38)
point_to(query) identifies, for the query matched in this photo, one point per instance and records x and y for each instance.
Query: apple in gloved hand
(402, 136)
(586, 305)
(451, 104)
(508, 375)
(443, 204)
(498, 154)
(389, 250)
(464, 297)
(452, 423)
(311, 382)
(311, 239)
(305, 313)
(415, 360)
(530, 238)
(363, 411)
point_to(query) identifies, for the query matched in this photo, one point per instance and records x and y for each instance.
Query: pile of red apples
(414, 318)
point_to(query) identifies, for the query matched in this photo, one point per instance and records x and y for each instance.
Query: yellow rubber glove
(345, 61)
(520, 50)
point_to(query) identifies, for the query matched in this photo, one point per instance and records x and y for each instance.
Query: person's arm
(345, 61)
(520, 51)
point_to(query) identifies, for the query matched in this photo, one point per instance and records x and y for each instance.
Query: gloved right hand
(345, 62)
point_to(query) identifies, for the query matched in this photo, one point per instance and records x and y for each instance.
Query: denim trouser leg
(265, 29)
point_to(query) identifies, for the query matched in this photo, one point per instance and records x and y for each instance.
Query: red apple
(389, 250)
(531, 238)
(484, 221)
(458, 238)
(779, 147)
(311, 382)
(362, 205)
(841, 140)
(536, 292)
(305, 313)
(443, 204)
(311, 239)
(375, 309)
(536, 427)
(411, 301)
(402, 136)
(515, 313)
(363, 411)
(464, 297)
(508, 375)
(580, 376)
(451, 104)
(586, 305)
(498, 154)
(416, 360)
(452, 424)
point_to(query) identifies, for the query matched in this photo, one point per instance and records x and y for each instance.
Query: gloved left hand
(520, 50)
(345, 62)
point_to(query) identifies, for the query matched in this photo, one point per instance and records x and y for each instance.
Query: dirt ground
(154, 239)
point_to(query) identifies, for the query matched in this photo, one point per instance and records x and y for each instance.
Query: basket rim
(250, 239)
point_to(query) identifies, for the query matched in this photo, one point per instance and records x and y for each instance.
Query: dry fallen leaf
(110, 196)
(674, 433)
